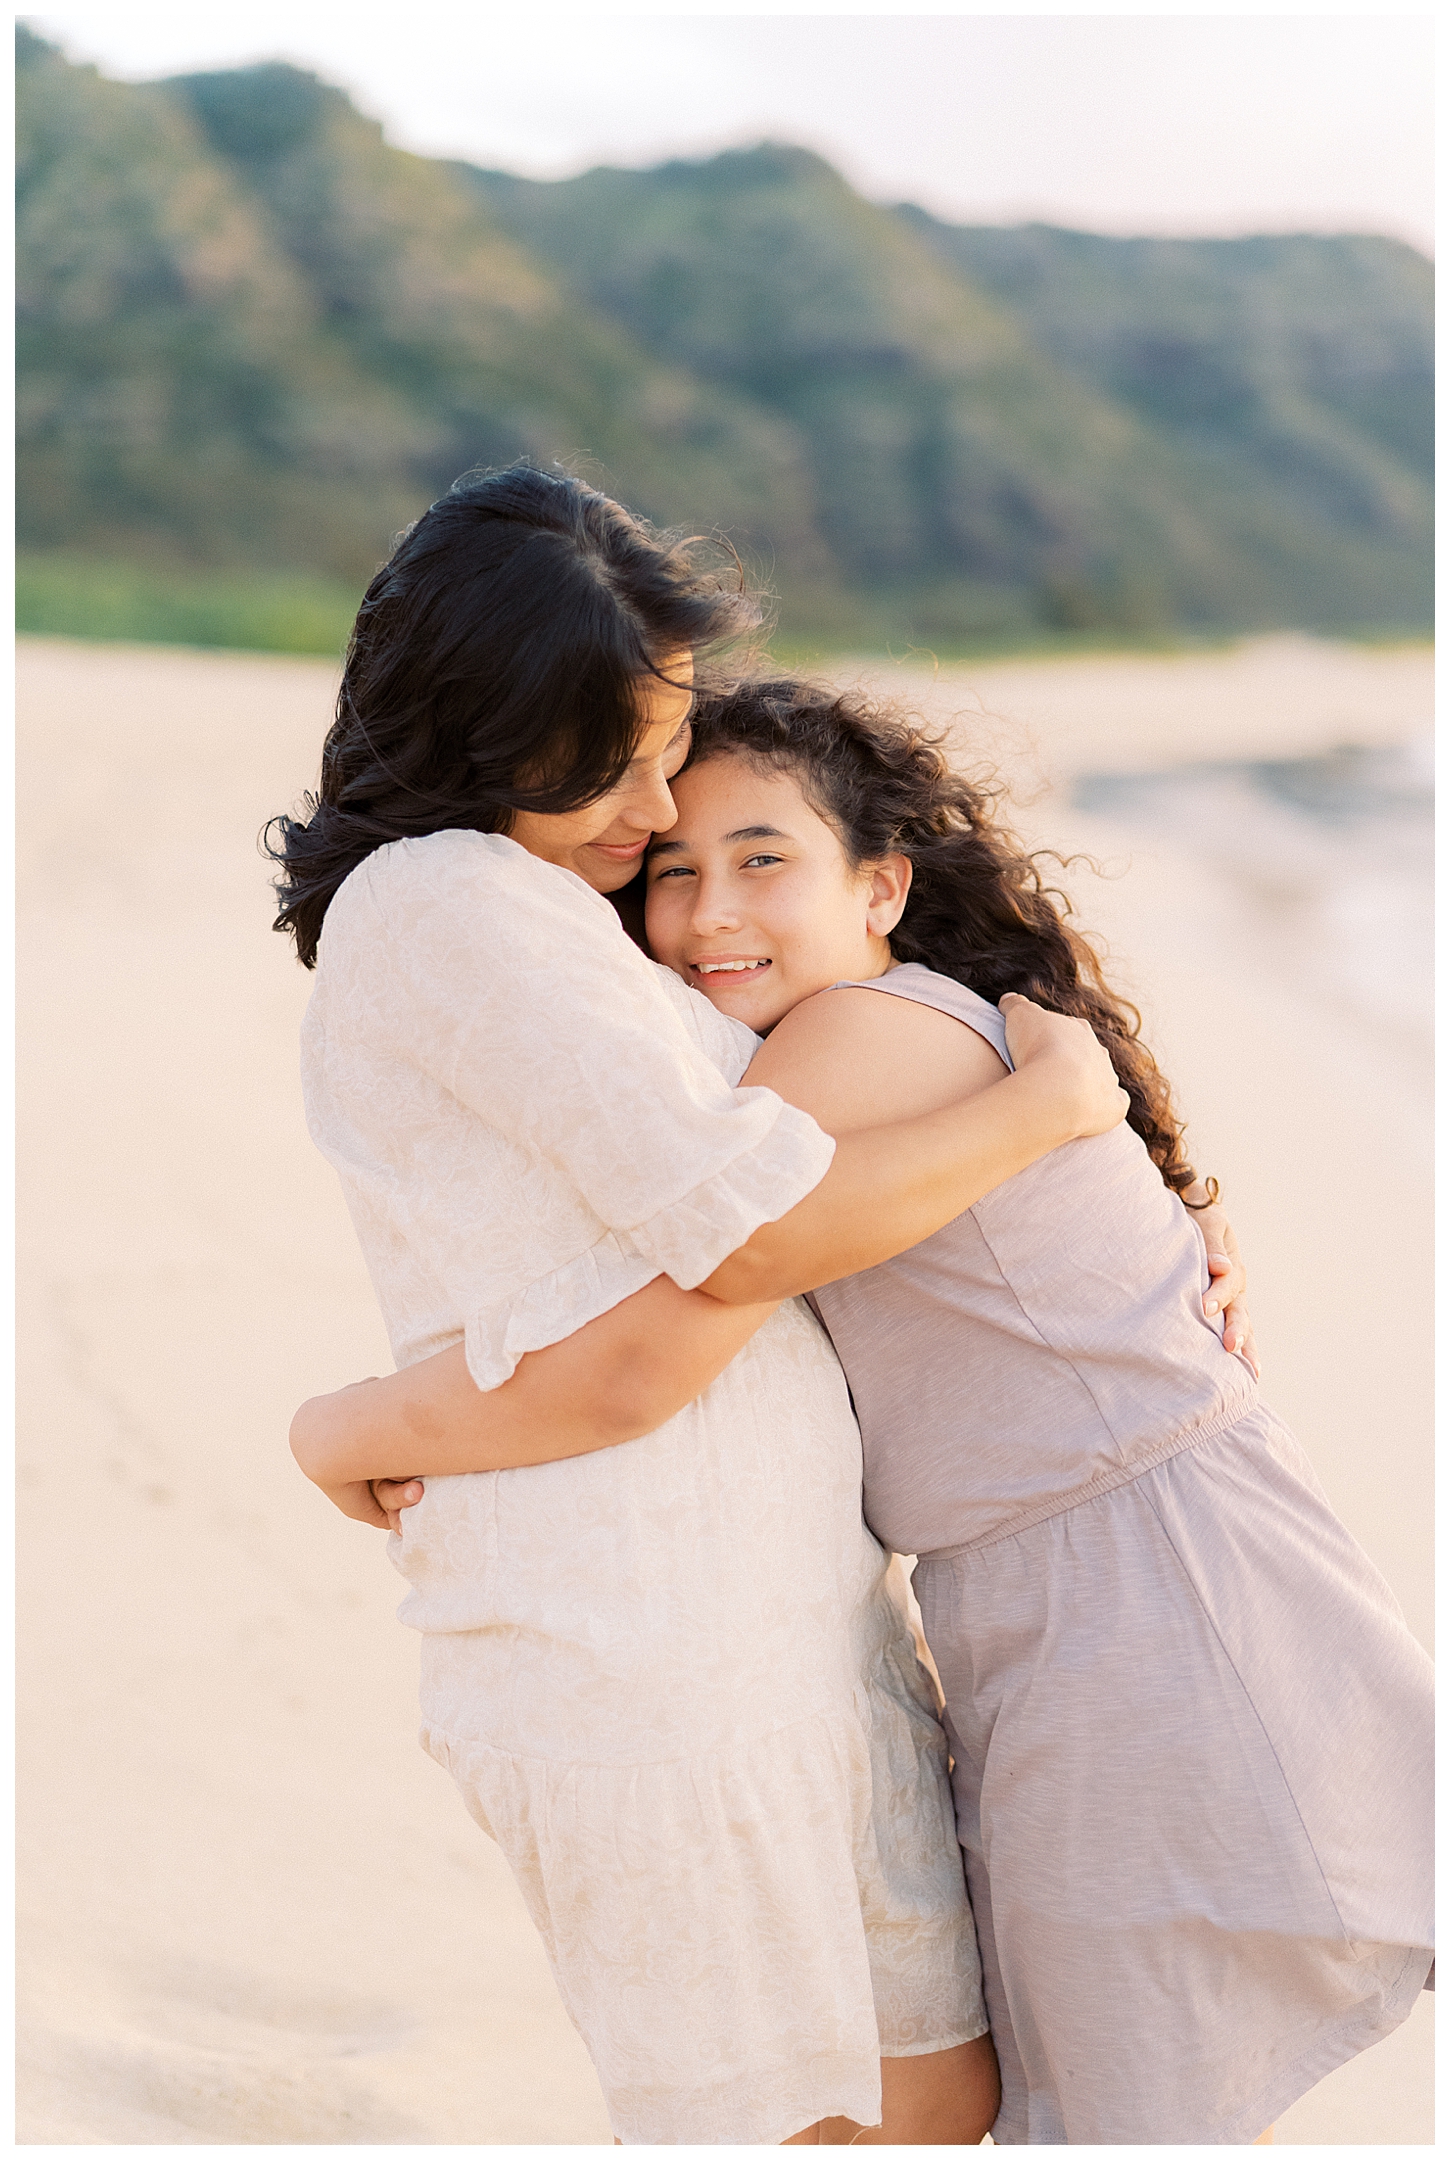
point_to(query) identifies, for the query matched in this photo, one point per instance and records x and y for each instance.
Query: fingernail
(1211, 1307)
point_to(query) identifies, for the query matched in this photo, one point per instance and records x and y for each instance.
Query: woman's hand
(1079, 1067)
(357, 1502)
(1229, 1277)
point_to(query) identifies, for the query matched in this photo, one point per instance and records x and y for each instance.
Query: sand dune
(252, 1911)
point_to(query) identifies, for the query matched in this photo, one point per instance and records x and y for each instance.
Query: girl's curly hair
(979, 909)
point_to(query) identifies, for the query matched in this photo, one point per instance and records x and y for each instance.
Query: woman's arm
(854, 1058)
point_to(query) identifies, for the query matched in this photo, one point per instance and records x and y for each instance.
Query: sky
(1153, 122)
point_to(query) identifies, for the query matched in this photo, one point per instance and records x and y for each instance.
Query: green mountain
(963, 479)
(1200, 432)
(253, 336)
(250, 331)
(1296, 372)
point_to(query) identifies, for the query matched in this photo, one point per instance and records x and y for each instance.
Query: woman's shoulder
(466, 879)
(471, 931)
(728, 1044)
(460, 858)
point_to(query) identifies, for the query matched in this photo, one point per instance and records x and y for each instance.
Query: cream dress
(669, 1678)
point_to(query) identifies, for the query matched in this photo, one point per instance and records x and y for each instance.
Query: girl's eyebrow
(745, 832)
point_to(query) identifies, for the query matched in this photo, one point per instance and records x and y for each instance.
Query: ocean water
(1330, 857)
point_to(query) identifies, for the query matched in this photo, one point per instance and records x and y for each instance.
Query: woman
(668, 1679)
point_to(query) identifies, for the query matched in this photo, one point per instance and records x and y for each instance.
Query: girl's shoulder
(919, 985)
(854, 1058)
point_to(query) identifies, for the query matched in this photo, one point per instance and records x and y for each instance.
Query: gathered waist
(1187, 1436)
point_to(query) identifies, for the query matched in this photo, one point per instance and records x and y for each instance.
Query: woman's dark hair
(495, 666)
(979, 909)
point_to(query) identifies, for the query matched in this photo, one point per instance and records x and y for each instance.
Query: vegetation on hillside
(255, 340)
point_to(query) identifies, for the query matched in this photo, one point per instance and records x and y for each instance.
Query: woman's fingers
(1229, 1281)
(1238, 1334)
(1228, 1275)
(392, 1493)
(381, 1503)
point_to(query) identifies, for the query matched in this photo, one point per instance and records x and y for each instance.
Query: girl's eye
(677, 870)
(757, 862)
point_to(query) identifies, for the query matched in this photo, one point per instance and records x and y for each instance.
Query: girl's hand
(1229, 1277)
(1079, 1066)
(379, 1502)
(357, 1502)
(392, 1495)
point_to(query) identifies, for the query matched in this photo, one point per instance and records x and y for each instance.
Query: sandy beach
(252, 1911)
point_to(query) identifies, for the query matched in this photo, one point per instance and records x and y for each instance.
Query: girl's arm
(853, 1058)
(892, 1185)
(615, 1379)
(628, 1371)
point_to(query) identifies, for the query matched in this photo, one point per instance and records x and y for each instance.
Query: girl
(668, 1679)
(1190, 1730)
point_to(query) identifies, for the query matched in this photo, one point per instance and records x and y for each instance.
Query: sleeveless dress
(1191, 1730)
(669, 1678)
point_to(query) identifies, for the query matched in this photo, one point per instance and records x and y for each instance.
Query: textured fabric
(669, 1678)
(518, 1108)
(1191, 1731)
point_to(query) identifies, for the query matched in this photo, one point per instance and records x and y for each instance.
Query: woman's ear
(890, 884)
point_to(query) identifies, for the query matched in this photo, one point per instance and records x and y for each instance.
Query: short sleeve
(728, 1044)
(526, 1001)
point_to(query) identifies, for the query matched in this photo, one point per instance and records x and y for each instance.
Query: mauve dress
(1191, 1729)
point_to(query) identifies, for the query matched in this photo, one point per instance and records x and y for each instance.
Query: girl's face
(603, 842)
(752, 900)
